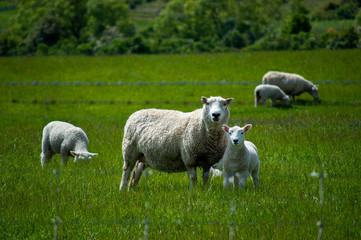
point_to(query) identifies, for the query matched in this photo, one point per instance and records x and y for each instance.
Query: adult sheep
(292, 84)
(173, 141)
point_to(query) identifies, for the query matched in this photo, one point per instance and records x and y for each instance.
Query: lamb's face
(216, 107)
(286, 100)
(236, 135)
(315, 92)
(83, 156)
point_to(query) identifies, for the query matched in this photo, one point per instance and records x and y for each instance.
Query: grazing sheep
(66, 139)
(292, 84)
(263, 92)
(239, 159)
(173, 141)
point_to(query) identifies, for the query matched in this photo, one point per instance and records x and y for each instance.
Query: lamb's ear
(225, 128)
(74, 153)
(229, 101)
(247, 127)
(204, 100)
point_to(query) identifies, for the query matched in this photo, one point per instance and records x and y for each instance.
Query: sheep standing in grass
(66, 139)
(292, 84)
(173, 141)
(263, 92)
(239, 159)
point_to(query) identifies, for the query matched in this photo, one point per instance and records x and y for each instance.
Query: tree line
(104, 27)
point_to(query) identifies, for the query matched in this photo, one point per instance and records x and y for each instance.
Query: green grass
(292, 142)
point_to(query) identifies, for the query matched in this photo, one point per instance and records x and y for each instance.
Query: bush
(299, 23)
(139, 45)
(7, 44)
(348, 38)
(42, 49)
(175, 45)
(86, 48)
(234, 39)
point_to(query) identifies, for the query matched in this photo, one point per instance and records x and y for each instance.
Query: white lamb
(174, 141)
(65, 139)
(292, 84)
(263, 92)
(239, 159)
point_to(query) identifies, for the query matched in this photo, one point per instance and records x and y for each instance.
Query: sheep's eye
(242, 133)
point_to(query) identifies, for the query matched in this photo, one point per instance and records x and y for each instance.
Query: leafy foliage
(103, 27)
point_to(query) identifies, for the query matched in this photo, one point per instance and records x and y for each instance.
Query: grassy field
(292, 142)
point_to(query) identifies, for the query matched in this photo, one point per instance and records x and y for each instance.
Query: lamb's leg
(255, 179)
(64, 153)
(242, 178)
(137, 173)
(45, 157)
(192, 171)
(226, 177)
(263, 101)
(46, 153)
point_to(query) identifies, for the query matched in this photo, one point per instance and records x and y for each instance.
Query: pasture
(82, 201)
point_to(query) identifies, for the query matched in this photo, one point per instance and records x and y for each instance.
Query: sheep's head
(236, 135)
(86, 156)
(286, 100)
(216, 107)
(315, 91)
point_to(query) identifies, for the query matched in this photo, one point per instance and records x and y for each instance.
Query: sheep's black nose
(216, 114)
(235, 140)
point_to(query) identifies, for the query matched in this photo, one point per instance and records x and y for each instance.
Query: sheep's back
(158, 135)
(290, 83)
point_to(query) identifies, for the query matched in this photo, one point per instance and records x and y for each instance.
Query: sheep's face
(236, 135)
(83, 156)
(315, 91)
(286, 100)
(216, 107)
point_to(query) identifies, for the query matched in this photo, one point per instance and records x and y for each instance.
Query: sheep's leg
(137, 173)
(242, 179)
(255, 179)
(45, 157)
(205, 176)
(46, 153)
(263, 101)
(272, 102)
(64, 153)
(226, 177)
(192, 171)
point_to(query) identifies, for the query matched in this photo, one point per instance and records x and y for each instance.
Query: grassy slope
(291, 141)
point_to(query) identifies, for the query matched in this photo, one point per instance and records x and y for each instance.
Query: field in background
(292, 142)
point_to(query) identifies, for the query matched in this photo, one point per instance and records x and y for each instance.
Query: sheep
(239, 159)
(263, 92)
(65, 139)
(173, 141)
(292, 84)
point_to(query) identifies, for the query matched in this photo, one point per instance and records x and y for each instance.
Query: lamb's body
(240, 158)
(65, 139)
(292, 84)
(263, 92)
(173, 141)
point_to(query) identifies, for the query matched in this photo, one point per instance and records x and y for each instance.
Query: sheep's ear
(229, 101)
(247, 127)
(73, 153)
(225, 128)
(93, 154)
(204, 100)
